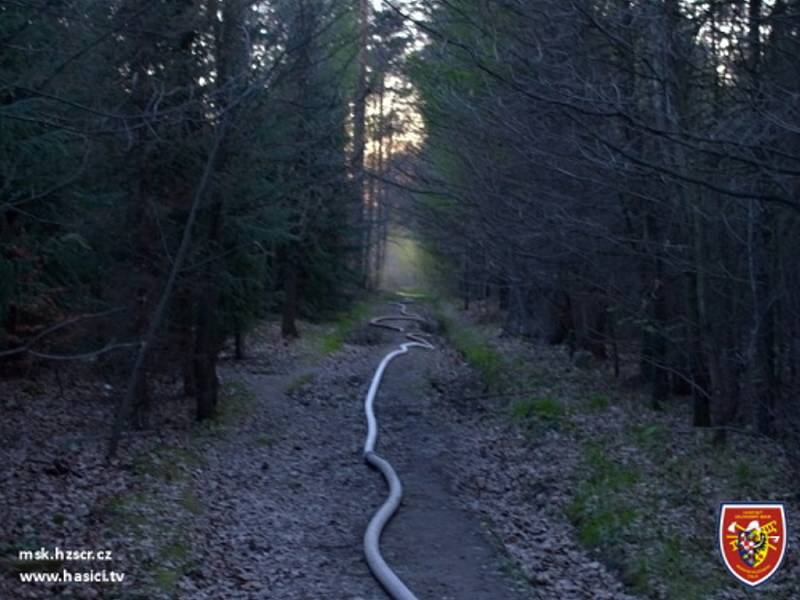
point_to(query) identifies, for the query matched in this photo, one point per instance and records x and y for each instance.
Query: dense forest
(626, 173)
(204, 203)
(172, 171)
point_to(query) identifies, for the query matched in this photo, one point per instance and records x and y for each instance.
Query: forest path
(290, 495)
(436, 547)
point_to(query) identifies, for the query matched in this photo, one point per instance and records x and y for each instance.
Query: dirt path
(437, 547)
(477, 521)
(290, 496)
(271, 501)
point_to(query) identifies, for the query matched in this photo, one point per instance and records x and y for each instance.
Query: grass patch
(474, 345)
(615, 510)
(669, 562)
(650, 438)
(174, 552)
(167, 462)
(538, 415)
(601, 508)
(336, 333)
(482, 358)
(172, 562)
(606, 474)
(140, 515)
(603, 525)
(417, 294)
(125, 510)
(684, 576)
(34, 388)
(546, 409)
(644, 483)
(298, 383)
(159, 510)
(264, 440)
(166, 579)
(332, 341)
(597, 403)
(191, 502)
(747, 476)
(236, 403)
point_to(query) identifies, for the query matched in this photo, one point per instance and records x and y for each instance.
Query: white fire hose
(387, 578)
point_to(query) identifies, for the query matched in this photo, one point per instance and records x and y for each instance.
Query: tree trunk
(359, 131)
(239, 343)
(206, 353)
(232, 63)
(701, 408)
(291, 298)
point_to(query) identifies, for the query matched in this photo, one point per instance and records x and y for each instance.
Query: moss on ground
(237, 402)
(173, 560)
(169, 463)
(334, 334)
(191, 502)
(617, 507)
(596, 403)
(264, 440)
(473, 343)
(162, 506)
(600, 509)
(545, 409)
(299, 382)
(127, 511)
(146, 513)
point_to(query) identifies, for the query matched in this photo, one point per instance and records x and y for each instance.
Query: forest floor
(639, 488)
(538, 495)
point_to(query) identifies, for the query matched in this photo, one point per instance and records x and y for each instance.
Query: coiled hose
(387, 578)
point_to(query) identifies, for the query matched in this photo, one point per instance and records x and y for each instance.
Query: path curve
(382, 572)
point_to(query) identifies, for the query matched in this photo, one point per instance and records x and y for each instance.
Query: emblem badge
(752, 540)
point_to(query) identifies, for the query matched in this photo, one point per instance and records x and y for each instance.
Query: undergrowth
(146, 512)
(473, 343)
(538, 415)
(651, 516)
(299, 383)
(598, 508)
(646, 485)
(161, 505)
(335, 334)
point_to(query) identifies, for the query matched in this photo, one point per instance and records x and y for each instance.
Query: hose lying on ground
(387, 578)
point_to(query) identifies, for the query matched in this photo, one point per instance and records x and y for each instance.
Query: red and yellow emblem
(752, 540)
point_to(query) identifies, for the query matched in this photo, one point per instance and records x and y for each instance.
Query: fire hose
(382, 572)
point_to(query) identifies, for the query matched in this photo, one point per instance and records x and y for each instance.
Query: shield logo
(752, 540)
